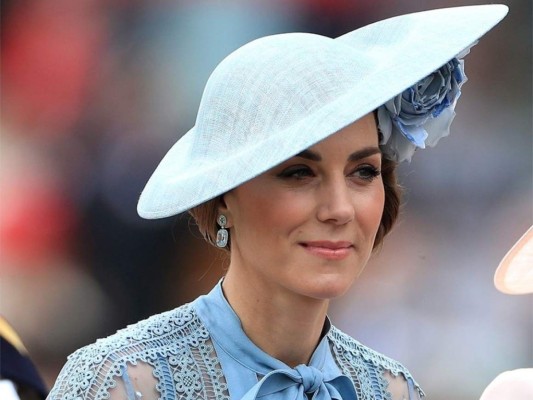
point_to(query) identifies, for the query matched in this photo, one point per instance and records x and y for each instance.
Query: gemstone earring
(222, 233)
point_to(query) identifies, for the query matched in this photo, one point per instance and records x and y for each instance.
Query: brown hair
(206, 213)
(393, 195)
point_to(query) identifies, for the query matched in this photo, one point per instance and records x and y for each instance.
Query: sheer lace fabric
(172, 356)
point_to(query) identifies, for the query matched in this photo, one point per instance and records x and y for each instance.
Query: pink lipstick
(328, 250)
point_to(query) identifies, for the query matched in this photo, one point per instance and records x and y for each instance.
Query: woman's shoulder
(352, 349)
(145, 338)
(351, 355)
(92, 371)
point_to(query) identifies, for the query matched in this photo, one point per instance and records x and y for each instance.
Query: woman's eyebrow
(359, 154)
(363, 153)
(310, 155)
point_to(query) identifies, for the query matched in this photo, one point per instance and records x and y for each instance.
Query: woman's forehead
(359, 134)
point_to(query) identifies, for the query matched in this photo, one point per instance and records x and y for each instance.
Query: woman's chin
(329, 289)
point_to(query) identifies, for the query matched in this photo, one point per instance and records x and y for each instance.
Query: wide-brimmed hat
(278, 95)
(514, 274)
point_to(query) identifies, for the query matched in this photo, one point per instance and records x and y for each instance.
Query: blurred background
(95, 91)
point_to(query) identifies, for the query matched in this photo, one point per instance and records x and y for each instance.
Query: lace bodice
(183, 354)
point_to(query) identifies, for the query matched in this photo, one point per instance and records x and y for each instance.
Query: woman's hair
(393, 194)
(206, 213)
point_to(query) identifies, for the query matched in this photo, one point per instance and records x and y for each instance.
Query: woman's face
(307, 226)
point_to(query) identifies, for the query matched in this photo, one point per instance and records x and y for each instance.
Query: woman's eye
(297, 172)
(367, 172)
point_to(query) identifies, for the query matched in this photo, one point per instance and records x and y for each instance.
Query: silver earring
(222, 233)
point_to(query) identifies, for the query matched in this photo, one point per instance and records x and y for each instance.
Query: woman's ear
(224, 209)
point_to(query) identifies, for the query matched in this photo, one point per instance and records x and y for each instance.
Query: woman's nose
(336, 203)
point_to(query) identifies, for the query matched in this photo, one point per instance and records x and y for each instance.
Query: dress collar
(226, 330)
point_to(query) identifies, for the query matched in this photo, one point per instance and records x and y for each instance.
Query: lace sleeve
(136, 382)
(401, 388)
(84, 377)
(375, 375)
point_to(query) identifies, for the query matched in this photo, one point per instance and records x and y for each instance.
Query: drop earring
(222, 233)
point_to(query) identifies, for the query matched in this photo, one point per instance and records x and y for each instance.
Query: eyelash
(370, 171)
(301, 172)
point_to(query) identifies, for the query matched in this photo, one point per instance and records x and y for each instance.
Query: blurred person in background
(19, 379)
(290, 168)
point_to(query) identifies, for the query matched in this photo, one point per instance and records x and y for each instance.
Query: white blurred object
(8, 390)
(511, 385)
(514, 275)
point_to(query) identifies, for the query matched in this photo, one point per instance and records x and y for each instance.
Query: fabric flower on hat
(422, 114)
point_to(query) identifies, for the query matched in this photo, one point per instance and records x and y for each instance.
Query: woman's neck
(281, 323)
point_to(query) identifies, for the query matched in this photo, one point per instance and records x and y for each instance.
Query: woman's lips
(328, 250)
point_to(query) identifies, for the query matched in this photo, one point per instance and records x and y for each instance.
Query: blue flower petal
(415, 134)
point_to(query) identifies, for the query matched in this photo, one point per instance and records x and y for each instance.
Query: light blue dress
(200, 351)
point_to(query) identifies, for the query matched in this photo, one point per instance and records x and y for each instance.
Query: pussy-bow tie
(297, 383)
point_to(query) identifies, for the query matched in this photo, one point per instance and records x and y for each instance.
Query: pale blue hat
(280, 94)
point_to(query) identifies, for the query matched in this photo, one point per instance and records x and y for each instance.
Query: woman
(291, 168)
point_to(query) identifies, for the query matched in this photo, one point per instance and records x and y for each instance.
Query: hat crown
(252, 94)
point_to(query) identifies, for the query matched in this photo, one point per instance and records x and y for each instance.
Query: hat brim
(180, 183)
(514, 274)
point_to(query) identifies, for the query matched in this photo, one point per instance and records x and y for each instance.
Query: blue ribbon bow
(297, 383)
